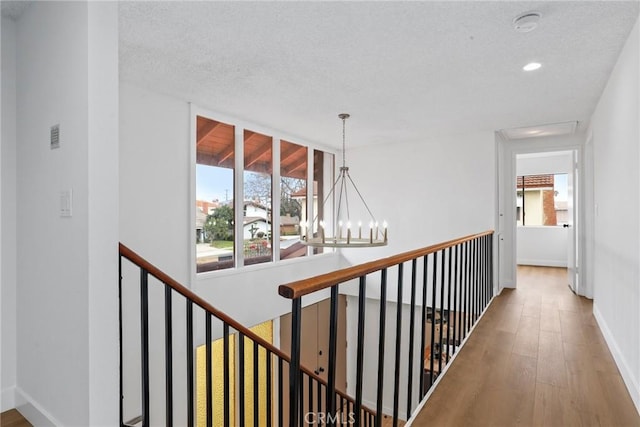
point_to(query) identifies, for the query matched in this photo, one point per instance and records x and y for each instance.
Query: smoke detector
(526, 22)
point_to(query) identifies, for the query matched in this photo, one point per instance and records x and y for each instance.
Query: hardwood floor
(13, 418)
(537, 358)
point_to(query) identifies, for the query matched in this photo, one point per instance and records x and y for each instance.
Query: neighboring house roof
(255, 204)
(251, 219)
(206, 204)
(289, 220)
(201, 218)
(303, 191)
(535, 181)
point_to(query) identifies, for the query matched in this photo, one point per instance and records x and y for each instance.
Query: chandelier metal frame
(344, 234)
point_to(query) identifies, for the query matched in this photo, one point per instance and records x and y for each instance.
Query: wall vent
(55, 137)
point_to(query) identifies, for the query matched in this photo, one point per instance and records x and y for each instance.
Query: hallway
(537, 357)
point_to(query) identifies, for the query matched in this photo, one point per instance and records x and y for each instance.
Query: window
(257, 218)
(541, 200)
(215, 149)
(323, 174)
(221, 243)
(293, 199)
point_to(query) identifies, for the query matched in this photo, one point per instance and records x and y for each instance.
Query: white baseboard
(621, 362)
(542, 262)
(8, 399)
(33, 411)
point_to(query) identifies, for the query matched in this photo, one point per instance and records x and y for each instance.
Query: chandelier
(342, 231)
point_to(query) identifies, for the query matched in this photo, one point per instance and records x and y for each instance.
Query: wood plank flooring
(13, 418)
(537, 358)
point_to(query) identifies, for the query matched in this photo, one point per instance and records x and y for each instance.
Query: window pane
(323, 174)
(293, 199)
(215, 144)
(541, 200)
(258, 167)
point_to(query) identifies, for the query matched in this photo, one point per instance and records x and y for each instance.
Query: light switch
(66, 203)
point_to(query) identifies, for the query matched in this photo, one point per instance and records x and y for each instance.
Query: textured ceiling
(14, 9)
(404, 70)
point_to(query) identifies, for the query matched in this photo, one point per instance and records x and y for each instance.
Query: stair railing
(455, 287)
(275, 366)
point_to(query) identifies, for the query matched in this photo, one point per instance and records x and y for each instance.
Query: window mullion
(238, 197)
(275, 198)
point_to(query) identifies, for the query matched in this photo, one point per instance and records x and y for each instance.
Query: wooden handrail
(303, 287)
(190, 295)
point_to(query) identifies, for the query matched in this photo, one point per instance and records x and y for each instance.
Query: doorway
(547, 153)
(314, 344)
(545, 214)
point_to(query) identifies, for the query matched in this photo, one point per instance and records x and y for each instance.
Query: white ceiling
(404, 70)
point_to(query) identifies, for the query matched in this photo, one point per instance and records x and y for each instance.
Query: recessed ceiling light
(552, 129)
(531, 66)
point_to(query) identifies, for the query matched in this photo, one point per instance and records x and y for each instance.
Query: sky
(214, 183)
(560, 184)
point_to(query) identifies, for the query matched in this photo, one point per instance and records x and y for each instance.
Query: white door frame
(506, 152)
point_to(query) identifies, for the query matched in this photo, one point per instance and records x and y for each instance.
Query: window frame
(238, 194)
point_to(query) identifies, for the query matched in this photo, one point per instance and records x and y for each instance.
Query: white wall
(429, 191)
(545, 246)
(617, 209)
(103, 212)
(8, 214)
(67, 267)
(543, 163)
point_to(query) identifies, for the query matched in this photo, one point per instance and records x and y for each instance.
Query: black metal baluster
(449, 278)
(381, 335)
(396, 386)
(475, 281)
(319, 386)
(424, 325)
(301, 413)
(256, 384)
(491, 278)
(412, 329)
(469, 287)
(144, 337)
(294, 365)
(121, 381)
(333, 337)
(209, 369)
(487, 269)
(442, 281)
(433, 316)
(225, 372)
(360, 346)
(463, 296)
(269, 386)
(485, 290)
(281, 392)
(241, 379)
(310, 397)
(168, 355)
(455, 299)
(190, 370)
